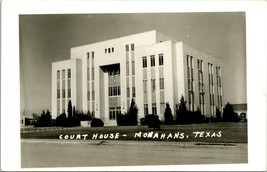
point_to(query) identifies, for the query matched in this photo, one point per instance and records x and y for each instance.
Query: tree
(44, 120)
(229, 114)
(69, 110)
(168, 115)
(181, 110)
(129, 118)
(62, 120)
(96, 122)
(74, 112)
(153, 121)
(132, 113)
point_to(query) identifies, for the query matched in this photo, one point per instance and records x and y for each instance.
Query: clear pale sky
(48, 38)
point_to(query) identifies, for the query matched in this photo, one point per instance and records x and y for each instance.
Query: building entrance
(114, 91)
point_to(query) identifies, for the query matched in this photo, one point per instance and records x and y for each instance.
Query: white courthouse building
(148, 67)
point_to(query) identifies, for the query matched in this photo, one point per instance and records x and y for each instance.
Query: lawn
(211, 132)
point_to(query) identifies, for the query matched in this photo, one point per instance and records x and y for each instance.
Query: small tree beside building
(130, 118)
(168, 117)
(229, 114)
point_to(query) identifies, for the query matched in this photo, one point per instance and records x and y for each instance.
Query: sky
(45, 39)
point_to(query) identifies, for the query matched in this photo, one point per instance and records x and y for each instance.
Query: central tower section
(110, 92)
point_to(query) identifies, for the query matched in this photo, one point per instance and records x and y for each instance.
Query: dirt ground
(63, 153)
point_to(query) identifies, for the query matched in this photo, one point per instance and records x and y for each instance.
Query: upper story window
(58, 74)
(132, 47)
(152, 58)
(69, 73)
(109, 50)
(63, 74)
(160, 59)
(144, 62)
(127, 48)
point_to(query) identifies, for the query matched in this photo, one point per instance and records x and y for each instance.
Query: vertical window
(63, 106)
(119, 90)
(58, 94)
(154, 108)
(88, 95)
(58, 107)
(112, 49)
(152, 59)
(58, 74)
(132, 47)
(133, 91)
(133, 68)
(63, 74)
(153, 84)
(93, 64)
(127, 69)
(160, 59)
(69, 88)
(128, 92)
(63, 93)
(161, 83)
(191, 86)
(88, 74)
(69, 93)
(69, 73)
(93, 95)
(146, 109)
(145, 85)
(88, 57)
(93, 73)
(127, 48)
(144, 62)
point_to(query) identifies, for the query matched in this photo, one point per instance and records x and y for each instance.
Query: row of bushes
(183, 116)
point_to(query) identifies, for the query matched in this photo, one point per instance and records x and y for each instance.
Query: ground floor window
(154, 108)
(114, 112)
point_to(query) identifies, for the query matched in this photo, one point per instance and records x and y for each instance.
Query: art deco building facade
(148, 67)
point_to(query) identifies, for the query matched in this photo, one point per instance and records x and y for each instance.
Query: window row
(154, 108)
(153, 84)
(127, 47)
(64, 93)
(89, 95)
(113, 114)
(63, 74)
(109, 50)
(114, 91)
(152, 60)
(93, 94)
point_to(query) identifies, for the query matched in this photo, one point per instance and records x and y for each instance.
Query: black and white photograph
(133, 89)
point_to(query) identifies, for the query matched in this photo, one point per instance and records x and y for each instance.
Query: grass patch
(222, 132)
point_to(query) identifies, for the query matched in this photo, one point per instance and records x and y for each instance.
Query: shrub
(69, 110)
(44, 120)
(229, 114)
(183, 116)
(61, 120)
(130, 118)
(142, 121)
(168, 117)
(96, 122)
(181, 110)
(153, 121)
